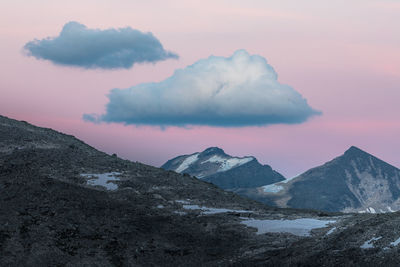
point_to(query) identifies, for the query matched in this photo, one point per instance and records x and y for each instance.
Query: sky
(328, 70)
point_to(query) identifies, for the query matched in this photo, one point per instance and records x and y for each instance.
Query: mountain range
(353, 182)
(64, 203)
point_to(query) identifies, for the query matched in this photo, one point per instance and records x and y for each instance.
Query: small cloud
(93, 48)
(241, 90)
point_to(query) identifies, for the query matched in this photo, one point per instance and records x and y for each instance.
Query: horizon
(337, 64)
(247, 156)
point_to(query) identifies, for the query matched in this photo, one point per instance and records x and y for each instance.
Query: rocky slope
(227, 172)
(353, 182)
(63, 203)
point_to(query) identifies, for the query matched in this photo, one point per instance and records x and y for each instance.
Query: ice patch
(182, 201)
(331, 231)
(228, 163)
(208, 211)
(369, 244)
(299, 227)
(187, 162)
(395, 243)
(390, 209)
(191, 207)
(102, 179)
(371, 210)
(275, 188)
(272, 188)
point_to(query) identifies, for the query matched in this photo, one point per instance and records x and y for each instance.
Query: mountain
(353, 182)
(64, 203)
(227, 172)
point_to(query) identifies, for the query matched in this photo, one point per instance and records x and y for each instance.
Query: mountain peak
(213, 150)
(226, 171)
(355, 151)
(354, 148)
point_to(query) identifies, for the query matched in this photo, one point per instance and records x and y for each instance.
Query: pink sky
(343, 57)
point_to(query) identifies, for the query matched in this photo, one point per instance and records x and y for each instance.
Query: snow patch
(374, 210)
(272, 188)
(276, 187)
(331, 231)
(187, 162)
(191, 207)
(369, 243)
(371, 210)
(228, 163)
(390, 209)
(182, 201)
(208, 211)
(299, 227)
(396, 242)
(103, 179)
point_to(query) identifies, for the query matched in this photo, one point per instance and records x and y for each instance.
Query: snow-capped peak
(214, 155)
(214, 150)
(228, 172)
(228, 163)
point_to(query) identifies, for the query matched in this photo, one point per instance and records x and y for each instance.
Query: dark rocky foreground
(51, 216)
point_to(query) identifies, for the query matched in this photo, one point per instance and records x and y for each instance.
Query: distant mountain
(225, 171)
(353, 182)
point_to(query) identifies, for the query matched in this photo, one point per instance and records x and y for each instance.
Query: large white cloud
(241, 90)
(93, 48)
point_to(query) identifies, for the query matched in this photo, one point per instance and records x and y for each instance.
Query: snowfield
(395, 243)
(276, 187)
(183, 201)
(228, 163)
(331, 231)
(272, 188)
(369, 243)
(373, 210)
(187, 162)
(208, 211)
(103, 179)
(299, 227)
